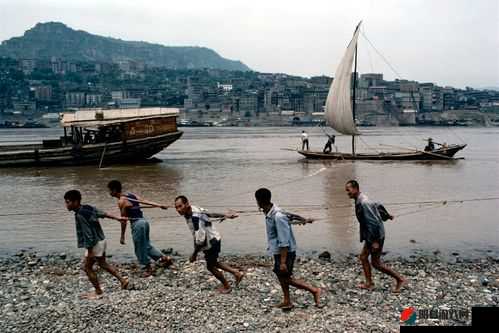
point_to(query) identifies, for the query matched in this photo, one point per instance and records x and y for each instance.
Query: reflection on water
(219, 168)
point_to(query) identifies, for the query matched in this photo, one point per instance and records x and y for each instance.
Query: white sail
(339, 102)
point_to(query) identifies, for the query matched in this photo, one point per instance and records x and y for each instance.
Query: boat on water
(97, 136)
(340, 115)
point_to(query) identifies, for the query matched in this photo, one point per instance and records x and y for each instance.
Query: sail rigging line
(368, 146)
(381, 55)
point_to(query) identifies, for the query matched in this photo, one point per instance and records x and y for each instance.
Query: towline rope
(310, 207)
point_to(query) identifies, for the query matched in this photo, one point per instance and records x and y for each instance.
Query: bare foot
(147, 273)
(399, 286)
(166, 262)
(91, 295)
(281, 305)
(125, 283)
(224, 290)
(288, 307)
(239, 277)
(366, 286)
(317, 297)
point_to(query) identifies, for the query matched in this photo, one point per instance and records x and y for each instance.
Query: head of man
(183, 206)
(263, 197)
(115, 188)
(72, 199)
(352, 189)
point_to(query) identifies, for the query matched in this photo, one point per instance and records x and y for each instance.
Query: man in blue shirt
(372, 232)
(91, 237)
(282, 245)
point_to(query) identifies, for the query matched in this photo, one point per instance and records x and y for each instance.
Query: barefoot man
(130, 208)
(282, 245)
(91, 237)
(208, 240)
(372, 232)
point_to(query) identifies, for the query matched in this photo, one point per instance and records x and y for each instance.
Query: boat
(97, 136)
(340, 115)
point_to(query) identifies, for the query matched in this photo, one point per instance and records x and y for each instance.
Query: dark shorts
(290, 261)
(211, 255)
(369, 245)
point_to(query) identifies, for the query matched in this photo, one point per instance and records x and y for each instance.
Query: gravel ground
(41, 294)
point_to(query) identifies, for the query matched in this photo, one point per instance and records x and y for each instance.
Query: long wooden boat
(100, 136)
(437, 154)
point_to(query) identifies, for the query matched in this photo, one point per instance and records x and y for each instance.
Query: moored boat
(98, 136)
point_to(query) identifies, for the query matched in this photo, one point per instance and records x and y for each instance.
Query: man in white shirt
(208, 240)
(304, 140)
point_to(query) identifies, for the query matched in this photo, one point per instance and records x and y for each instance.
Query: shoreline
(42, 293)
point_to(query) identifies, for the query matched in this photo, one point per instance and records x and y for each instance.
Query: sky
(448, 42)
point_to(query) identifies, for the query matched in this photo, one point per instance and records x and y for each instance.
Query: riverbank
(41, 293)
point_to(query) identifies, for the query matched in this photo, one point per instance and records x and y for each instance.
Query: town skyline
(449, 56)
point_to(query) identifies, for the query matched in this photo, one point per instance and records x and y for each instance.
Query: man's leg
(376, 262)
(92, 277)
(101, 261)
(286, 303)
(237, 273)
(212, 267)
(316, 292)
(366, 266)
(140, 245)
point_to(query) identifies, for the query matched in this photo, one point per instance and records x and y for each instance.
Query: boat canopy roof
(103, 117)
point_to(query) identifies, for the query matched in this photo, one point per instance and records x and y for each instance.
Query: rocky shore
(41, 294)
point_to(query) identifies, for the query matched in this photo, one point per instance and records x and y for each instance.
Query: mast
(353, 101)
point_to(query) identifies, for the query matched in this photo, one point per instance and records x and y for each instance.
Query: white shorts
(98, 250)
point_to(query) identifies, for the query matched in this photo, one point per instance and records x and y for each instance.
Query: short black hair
(73, 195)
(263, 195)
(183, 198)
(353, 183)
(114, 185)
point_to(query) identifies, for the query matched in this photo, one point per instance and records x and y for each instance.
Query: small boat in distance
(97, 136)
(340, 115)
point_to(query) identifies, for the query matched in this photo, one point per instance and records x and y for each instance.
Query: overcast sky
(449, 42)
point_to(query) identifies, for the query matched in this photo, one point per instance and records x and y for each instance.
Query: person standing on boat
(129, 205)
(91, 237)
(208, 240)
(430, 146)
(372, 232)
(304, 140)
(282, 245)
(330, 142)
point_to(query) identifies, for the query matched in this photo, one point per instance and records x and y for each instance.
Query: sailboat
(340, 115)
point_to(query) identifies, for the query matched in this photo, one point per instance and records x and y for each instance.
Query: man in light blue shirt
(282, 245)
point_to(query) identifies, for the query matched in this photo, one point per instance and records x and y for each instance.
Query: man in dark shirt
(130, 208)
(372, 232)
(91, 237)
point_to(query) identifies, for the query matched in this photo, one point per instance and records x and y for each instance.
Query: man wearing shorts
(91, 237)
(208, 240)
(282, 246)
(372, 232)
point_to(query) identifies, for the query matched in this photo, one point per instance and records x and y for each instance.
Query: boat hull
(113, 152)
(438, 154)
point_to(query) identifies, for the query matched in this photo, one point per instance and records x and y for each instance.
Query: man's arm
(229, 215)
(123, 204)
(150, 203)
(283, 251)
(283, 239)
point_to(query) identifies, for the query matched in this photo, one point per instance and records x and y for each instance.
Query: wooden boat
(437, 154)
(340, 115)
(99, 136)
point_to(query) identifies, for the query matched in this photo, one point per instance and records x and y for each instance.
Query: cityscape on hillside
(39, 79)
